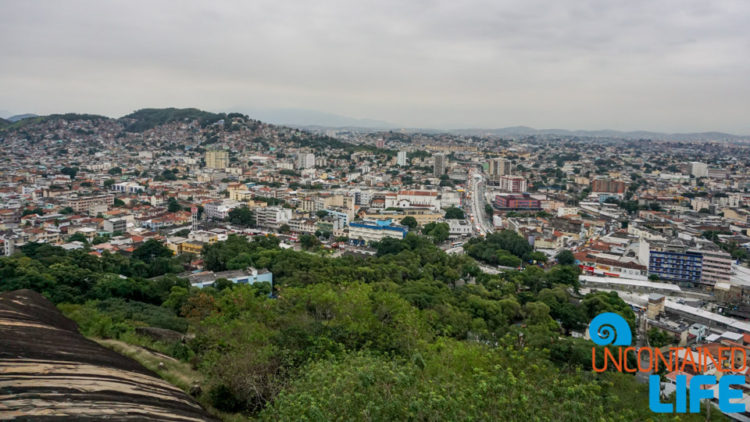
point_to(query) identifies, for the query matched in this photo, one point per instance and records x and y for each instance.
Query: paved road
(456, 250)
(477, 204)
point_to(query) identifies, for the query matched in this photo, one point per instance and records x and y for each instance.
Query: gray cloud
(660, 65)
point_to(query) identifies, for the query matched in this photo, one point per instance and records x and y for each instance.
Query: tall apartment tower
(401, 158)
(698, 169)
(499, 167)
(607, 185)
(440, 164)
(305, 160)
(217, 159)
(194, 218)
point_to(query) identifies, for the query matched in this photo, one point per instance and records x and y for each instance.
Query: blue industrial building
(678, 267)
(368, 231)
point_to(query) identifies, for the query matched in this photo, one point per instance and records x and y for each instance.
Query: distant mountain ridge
(639, 134)
(148, 118)
(18, 117)
(297, 117)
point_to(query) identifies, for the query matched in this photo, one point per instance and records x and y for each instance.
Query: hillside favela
(194, 228)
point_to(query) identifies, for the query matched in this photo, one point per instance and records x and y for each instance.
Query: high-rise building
(272, 217)
(305, 160)
(217, 159)
(499, 167)
(194, 218)
(380, 143)
(513, 184)
(717, 266)
(401, 158)
(704, 264)
(440, 164)
(698, 169)
(607, 185)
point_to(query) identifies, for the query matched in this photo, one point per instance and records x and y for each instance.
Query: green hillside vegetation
(4, 123)
(149, 118)
(409, 334)
(502, 248)
(68, 117)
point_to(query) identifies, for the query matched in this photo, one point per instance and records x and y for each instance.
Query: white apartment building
(305, 160)
(272, 217)
(220, 209)
(91, 204)
(698, 169)
(717, 266)
(457, 228)
(401, 158)
(302, 225)
(418, 198)
(128, 187)
(513, 184)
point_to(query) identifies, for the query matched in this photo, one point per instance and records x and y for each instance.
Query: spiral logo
(610, 328)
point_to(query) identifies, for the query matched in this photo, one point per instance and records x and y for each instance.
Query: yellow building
(217, 159)
(192, 246)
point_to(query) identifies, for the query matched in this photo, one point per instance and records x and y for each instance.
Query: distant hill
(528, 131)
(311, 118)
(18, 124)
(149, 118)
(319, 122)
(18, 117)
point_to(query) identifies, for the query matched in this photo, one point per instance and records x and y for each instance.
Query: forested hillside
(148, 118)
(409, 334)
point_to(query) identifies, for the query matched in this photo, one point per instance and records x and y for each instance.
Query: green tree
(70, 171)
(439, 232)
(308, 241)
(37, 211)
(150, 250)
(658, 338)
(78, 237)
(409, 222)
(173, 205)
(538, 256)
(565, 257)
(242, 216)
(454, 213)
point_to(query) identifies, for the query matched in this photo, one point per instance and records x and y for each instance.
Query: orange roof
(673, 375)
(418, 193)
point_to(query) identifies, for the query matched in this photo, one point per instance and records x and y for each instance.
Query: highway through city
(476, 186)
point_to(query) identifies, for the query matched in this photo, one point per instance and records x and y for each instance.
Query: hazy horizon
(663, 66)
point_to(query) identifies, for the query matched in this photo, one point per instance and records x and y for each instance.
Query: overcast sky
(666, 65)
